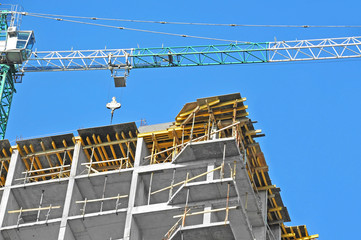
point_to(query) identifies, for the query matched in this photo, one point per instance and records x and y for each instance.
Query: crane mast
(17, 58)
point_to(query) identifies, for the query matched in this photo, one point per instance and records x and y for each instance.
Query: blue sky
(309, 111)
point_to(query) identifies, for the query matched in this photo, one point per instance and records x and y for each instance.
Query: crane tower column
(7, 91)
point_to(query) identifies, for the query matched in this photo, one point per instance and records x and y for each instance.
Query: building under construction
(201, 177)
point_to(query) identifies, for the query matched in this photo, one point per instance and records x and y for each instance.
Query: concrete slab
(155, 127)
(155, 225)
(110, 130)
(36, 232)
(202, 101)
(5, 144)
(207, 150)
(212, 231)
(110, 226)
(47, 141)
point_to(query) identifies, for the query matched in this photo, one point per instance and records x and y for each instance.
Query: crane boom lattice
(279, 51)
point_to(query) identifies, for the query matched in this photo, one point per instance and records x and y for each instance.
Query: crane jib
(207, 55)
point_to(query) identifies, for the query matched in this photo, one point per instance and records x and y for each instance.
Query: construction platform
(200, 177)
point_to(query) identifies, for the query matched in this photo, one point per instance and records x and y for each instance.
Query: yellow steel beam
(121, 145)
(46, 156)
(85, 151)
(230, 102)
(6, 162)
(68, 152)
(309, 237)
(56, 152)
(27, 152)
(104, 151)
(288, 235)
(190, 116)
(200, 108)
(111, 147)
(215, 113)
(99, 150)
(253, 132)
(95, 155)
(128, 145)
(266, 187)
(37, 160)
(24, 159)
(131, 135)
(276, 209)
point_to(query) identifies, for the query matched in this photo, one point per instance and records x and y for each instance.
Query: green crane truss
(7, 72)
(7, 91)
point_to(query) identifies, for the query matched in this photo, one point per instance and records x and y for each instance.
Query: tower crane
(17, 57)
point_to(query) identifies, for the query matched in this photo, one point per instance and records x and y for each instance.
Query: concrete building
(201, 177)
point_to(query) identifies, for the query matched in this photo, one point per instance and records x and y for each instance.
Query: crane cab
(16, 47)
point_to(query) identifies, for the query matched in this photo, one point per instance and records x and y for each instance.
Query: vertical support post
(209, 127)
(117, 204)
(185, 209)
(91, 162)
(246, 201)
(152, 154)
(1, 170)
(171, 186)
(19, 217)
(62, 166)
(48, 215)
(227, 205)
(174, 148)
(234, 132)
(224, 159)
(127, 164)
(103, 195)
(40, 205)
(84, 208)
(182, 136)
(150, 187)
(28, 173)
(191, 136)
(234, 170)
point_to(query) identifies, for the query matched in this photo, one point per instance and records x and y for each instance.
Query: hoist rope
(194, 23)
(134, 29)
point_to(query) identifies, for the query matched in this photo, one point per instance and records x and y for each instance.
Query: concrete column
(12, 172)
(260, 231)
(207, 217)
(213, 129)
(276, 230)
(131, 230)
(65, 232)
